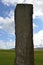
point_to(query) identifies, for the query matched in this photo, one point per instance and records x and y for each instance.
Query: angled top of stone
(29, 6)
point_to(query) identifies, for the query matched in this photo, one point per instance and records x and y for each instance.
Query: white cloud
(10, 44)
(8, 22)
(38, 8)
(2, 45)
(12, 2)
(7, 45)
(28, 1)
(0, 27)
(38, 39)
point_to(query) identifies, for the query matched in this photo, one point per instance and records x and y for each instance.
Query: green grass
(7, 57)
(38, 57)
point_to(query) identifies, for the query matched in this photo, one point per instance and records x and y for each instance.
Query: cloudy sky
(7, 25)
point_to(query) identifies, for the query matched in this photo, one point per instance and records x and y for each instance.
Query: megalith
(24, 34)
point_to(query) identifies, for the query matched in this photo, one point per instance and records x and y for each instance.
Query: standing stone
(24, 34)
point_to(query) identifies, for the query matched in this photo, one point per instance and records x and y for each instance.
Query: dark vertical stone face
(24, 34)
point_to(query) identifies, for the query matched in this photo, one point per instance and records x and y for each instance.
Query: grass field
(38, 57)
(7, 57)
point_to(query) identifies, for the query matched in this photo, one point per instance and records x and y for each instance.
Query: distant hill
(38, 48)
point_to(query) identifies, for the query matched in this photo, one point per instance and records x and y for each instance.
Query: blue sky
(39, 23)
(7, 24)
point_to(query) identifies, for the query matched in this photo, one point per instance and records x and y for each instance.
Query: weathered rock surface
(24, 34)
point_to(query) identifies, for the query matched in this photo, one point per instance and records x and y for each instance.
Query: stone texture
(24, 34)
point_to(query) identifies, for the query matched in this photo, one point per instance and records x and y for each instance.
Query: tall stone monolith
(24, 34)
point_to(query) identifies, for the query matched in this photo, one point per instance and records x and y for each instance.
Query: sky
(7, 22)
